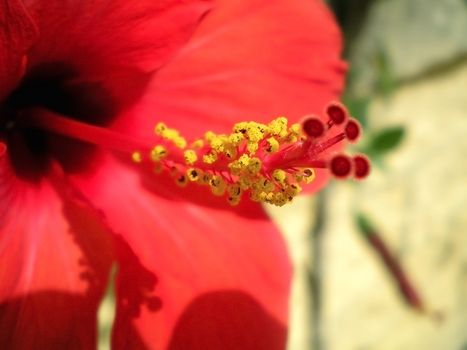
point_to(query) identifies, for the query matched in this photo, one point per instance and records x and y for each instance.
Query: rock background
(414, 37)
(417, 195)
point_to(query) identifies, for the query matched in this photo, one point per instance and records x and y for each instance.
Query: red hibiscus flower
(193, 271)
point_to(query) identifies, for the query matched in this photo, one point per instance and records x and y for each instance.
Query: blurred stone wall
(412, 37)
(416, 196)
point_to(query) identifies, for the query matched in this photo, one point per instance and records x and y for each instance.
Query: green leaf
(385, 140)
(364, 225)
(385, 83)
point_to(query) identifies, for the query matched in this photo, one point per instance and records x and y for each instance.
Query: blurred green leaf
(386, 83)
(385, 140)
(364, 224)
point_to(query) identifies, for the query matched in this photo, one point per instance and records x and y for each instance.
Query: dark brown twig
(406, 287)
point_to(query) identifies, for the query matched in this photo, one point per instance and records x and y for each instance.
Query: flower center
(268, 162)
(54, 87)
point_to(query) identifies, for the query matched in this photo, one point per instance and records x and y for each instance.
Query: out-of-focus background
(408, 86)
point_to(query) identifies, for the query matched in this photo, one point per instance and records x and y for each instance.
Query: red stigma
(341, 166)
(313, 127)
(361, 166)
(337, 113)
(352, 130)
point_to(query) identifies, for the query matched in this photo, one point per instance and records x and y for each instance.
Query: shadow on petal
(101, 247)
(227, 320)
(47, 320)
(135, 284)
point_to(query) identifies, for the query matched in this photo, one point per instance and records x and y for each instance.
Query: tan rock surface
(419, 202)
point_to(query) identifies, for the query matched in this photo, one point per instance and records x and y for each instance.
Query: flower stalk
(393, 266)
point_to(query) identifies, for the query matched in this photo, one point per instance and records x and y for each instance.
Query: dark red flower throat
(54, 87)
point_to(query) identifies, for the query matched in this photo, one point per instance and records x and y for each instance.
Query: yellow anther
(193, 174)
(292, 138)
(197, 144)
(257, 196)
(234, 190)
(234, 193)
(293, 190)
(158, 152)
(136, 157)
(170, 134)
(209, 135)
(210, 157)
(252, 147)
(294, 133)
(278, 127)
(280, 199)
(218, 185)
(215, 181)
(236, 138)
(160, 128)
(295, 129)
(262, 184)
(179, 141)
(255, 131)
(190, 157)
(308, 175)
(279, 175)
(245, 182)
(239, 165)
(204, 178)
(266, 196)
(268, 186)
(240, 127)
(230, 152)
(244, 160)
(298, 177)
(254, 166)
(262, 128)
(221, 144)
(272, 145)
(217, 143)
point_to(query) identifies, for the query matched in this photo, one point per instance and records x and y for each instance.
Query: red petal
(99, 34)
(112, 45)
(248, 60)
(222, 273)
(17, 31)
(54, 261)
